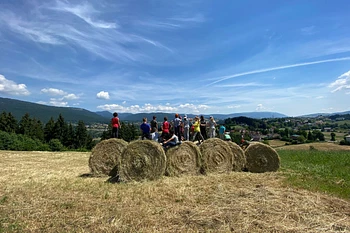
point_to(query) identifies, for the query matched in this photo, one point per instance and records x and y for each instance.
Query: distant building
(327, 129)
(347, 138)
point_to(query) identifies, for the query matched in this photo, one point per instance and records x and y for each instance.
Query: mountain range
(44, 112)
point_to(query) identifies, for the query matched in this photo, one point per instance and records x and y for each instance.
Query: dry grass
(43, 192)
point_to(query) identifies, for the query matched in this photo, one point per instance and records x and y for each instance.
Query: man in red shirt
(165, 129)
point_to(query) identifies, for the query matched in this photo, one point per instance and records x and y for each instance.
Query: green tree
(310, 136)
(8, 122)
(332, 136)
(81, 135)
(49, 130)
(25, 125)
(60, 129)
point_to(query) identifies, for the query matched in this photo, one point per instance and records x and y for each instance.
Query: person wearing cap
(212, 125)
(186, 127)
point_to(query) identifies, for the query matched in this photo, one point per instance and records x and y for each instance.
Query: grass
(46, 192)
(325, 171)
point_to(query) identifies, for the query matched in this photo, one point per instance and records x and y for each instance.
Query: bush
(12, 141)
(55, 145)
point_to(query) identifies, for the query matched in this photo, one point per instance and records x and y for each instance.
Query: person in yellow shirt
(197, 131)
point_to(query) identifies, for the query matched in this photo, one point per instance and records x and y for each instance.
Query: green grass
(321, 171)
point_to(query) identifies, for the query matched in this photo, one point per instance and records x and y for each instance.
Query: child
(172, 141)
(197, 131)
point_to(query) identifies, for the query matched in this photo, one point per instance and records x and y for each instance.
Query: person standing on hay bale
(165, 129)
(172, 141)
(212, 125)
(203, 127)
(176, 124)
(186, 127)
(154, 124)
(115, 122)
(197, 131)
(145, 129)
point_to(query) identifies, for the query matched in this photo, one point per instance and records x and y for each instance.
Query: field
(50, 192)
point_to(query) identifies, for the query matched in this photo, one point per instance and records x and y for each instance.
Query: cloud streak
(277, 68)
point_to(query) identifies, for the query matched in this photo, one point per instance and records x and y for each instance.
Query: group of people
(179, 129)
(174, 131)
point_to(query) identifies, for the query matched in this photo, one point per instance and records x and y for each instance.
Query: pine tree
(49, 130)
(12, 124)
(60, 129)
(81, 135)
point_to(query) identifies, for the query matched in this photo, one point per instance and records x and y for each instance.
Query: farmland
(51, 192)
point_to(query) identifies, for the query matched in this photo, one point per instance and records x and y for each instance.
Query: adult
(203, 127)
(212, 125)
(145, 129)
(222, 132)
(186, 127)
(177, 124)
(165, 129)
(197, 131)
(115, 122)
(154, 124)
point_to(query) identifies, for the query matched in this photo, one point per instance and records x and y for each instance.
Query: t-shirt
(146, 128)
(196, 126)
(222, 129)
(166, 127)
(177, 122)
(115, 122)
(186, 123)
(153, 124)
(212, 124)
(175, 139)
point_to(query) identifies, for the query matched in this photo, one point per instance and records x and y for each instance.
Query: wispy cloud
(343, 82)
(11, 88)
(220, 79)
(53, 91)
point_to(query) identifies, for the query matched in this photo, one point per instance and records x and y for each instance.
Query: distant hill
(44, 112)
(325, 114)
(137, 117)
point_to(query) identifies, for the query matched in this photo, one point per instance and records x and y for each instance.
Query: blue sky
(191, 56)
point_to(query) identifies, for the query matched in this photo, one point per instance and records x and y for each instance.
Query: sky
(184, 56)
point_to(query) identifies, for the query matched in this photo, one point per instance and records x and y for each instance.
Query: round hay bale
(239, 160)
(184, 159)
(261, 158)
(217, 154)
(106, 155)
(142, 160)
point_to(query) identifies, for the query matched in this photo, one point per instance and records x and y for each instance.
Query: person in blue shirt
(222, 132)
(145, 129)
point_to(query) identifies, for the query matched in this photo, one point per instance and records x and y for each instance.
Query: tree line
(31, 134)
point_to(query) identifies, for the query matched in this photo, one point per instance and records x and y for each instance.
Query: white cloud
(53, 91)
(124, 102)
(10, 87)
(70, 97)
(343, 82)
(103, 95)
(234, 106)
(260, 107)
(58, 102)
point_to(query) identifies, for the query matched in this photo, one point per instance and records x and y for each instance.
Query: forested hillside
(44, 112)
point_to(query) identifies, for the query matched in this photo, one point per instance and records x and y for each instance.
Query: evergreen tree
(12, 124)
(49, 130)
(310, 136)
(81, 135)
(25, 125)
(70, 139)
(60, 129)
(37, 130)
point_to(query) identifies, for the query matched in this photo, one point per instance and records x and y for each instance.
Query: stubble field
(48, 192)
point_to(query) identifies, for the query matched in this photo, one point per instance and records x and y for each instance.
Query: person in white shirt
(212, 125)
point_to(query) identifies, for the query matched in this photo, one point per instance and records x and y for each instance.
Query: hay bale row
(146, 160)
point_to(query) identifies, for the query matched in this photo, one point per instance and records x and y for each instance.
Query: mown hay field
(49, 192)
